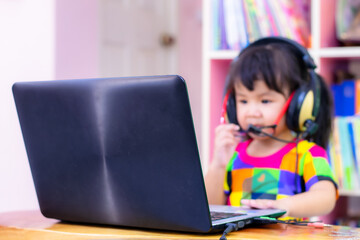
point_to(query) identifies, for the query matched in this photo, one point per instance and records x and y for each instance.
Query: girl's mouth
(258, 130)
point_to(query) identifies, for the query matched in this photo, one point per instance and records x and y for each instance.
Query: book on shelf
(230, 19)
(356, 145)
(346, 97)
(236, 23)
(334, 155)
(344, 151)
(357, 97)
(347, 17)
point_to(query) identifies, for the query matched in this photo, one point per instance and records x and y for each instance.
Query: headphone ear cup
(231, 109)
(292, 115)
(300, 110)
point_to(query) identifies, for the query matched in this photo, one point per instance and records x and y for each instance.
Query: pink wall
(219, 70)
(189, 58)
(77, 34)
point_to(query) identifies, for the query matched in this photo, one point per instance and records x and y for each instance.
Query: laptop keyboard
(223, 215)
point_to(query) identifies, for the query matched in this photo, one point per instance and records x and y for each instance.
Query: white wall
(190, 30)
(26, 53)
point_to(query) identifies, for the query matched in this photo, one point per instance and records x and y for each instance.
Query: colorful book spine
(355, 175)
(241, 24)
(216, 11)
(280, 21)
(302, 15)
(348, 91)
(346, 153)
(223, 39)
(338, 166)
(262, 18)
(345, 97)
(351, 131)
(337, 96)
(248, 20)
(238, 22)
(357, 96)
(290, 18)
(356, 128)
(274, 27)
(232, 32)
(332, 156)
(254, 21)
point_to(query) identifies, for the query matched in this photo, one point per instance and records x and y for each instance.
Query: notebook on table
(118, 151)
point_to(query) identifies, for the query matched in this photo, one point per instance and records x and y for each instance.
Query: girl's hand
(267, 204)
(227, 137)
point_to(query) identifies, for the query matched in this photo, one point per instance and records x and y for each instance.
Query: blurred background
(197, 39)
(67, 39)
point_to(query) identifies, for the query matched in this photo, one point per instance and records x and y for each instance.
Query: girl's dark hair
(283, 70)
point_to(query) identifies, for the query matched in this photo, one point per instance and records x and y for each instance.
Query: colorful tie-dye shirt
(275, 176)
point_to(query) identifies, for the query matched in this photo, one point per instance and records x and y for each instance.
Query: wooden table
(32, 225)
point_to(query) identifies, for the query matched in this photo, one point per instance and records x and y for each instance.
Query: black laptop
(118, 151)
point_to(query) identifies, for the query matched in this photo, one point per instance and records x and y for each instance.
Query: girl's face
(260, 108)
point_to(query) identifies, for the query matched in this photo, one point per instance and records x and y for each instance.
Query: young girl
(275, 167)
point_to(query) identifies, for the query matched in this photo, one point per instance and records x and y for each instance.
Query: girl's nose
(253, 111)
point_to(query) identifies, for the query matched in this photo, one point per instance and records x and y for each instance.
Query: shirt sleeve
(316, 168)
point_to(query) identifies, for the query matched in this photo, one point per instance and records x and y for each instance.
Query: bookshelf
(325, 49)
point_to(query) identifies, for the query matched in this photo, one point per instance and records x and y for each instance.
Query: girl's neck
(268, 145)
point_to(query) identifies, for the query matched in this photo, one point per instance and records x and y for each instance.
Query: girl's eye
(243, 101)
(265, 101)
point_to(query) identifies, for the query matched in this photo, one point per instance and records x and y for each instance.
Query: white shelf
(223, 54)
(330, 52)
(340, 52)
(349, 193)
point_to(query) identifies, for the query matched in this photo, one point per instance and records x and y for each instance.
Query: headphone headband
(301, 50)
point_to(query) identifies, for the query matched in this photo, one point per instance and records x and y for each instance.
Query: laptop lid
(117, 151)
